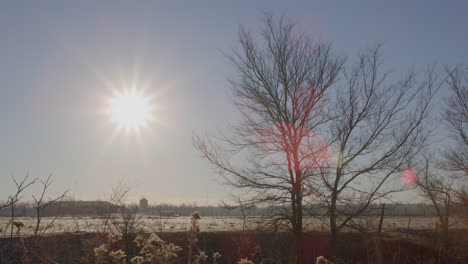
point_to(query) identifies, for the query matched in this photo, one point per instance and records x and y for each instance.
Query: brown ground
(271, 248)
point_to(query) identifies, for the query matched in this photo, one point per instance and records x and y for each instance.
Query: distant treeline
(70, 208)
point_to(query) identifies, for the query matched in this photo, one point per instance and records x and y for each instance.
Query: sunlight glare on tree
(409, 177)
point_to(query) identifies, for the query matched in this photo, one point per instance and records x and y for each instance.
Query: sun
(130, 109)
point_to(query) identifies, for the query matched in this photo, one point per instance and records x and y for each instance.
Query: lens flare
(409, 177)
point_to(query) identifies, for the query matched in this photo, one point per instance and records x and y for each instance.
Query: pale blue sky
(59, 60)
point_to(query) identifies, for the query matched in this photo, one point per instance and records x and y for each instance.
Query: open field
(73, 240)
(207, 224)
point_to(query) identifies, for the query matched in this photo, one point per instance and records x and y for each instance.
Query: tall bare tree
(455, 157)
(378, 126)
(280, 90)
(456, 116)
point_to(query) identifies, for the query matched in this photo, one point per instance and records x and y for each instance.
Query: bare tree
(456, 116)
(280, 90)
(455, 157)
(435, 186)
(40, 206)
(238, 204)
(125, 222)
(378, 126)
(13, 199)
(20, 187)
(32, 248)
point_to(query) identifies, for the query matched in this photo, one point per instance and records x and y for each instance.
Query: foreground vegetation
(193, 246)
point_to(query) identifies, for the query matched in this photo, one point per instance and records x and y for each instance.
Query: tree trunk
(299, 215)
(294, 212)
(381, 217)
(333, 227)
(12, 217)
(444, 226)
(298, 231)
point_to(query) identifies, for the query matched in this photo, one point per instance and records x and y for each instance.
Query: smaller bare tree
(125, 222)
(241, 205)
(439, 190)
(378, 126)
(20, 187)
(40, 205)
(13, 199)
(32, 246)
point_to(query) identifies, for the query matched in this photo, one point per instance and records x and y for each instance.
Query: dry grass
(208, 224)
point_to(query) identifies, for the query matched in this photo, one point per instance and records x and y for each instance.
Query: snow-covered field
(207, 224)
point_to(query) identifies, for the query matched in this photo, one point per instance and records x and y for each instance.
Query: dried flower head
(100, 251)
(149, 257)
(322, 260)
(137, 260)
(17, 223)
(195, 215)
(156, 249)
(154, 240)
(113, 238)
(117, 255)
(216, 256)
(139, 240)
(171, 250)
(244, 261)
(147, 249)
(200, 257)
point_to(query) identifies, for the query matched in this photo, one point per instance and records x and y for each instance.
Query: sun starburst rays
(130, 110)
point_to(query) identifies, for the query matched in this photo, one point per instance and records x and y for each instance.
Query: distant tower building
(143, 204)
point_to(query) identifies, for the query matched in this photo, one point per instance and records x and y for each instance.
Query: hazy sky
(61, 61)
